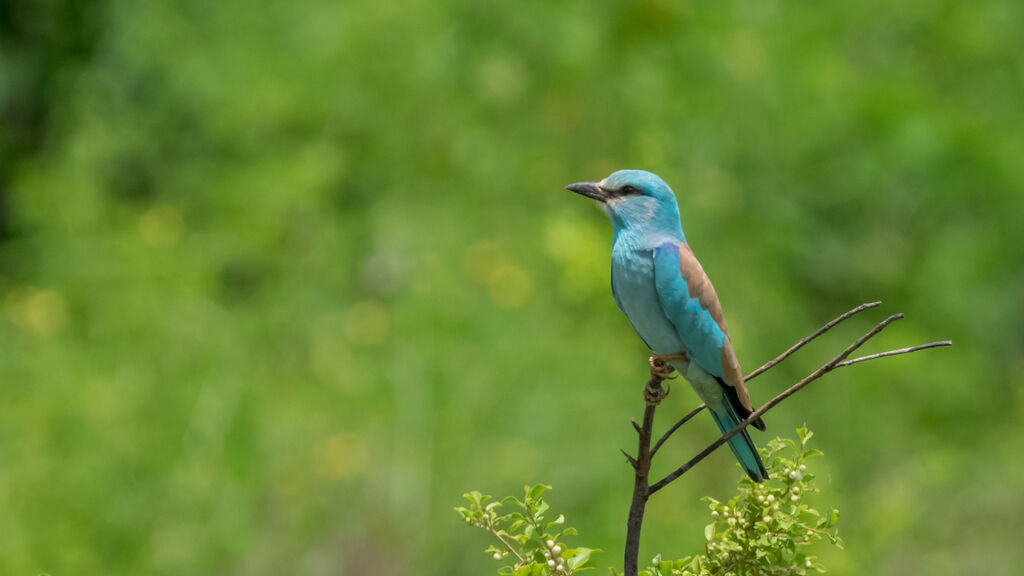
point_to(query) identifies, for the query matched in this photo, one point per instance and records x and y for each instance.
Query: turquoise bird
(660, 286)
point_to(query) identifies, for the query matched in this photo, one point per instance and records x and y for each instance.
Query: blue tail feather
(741, 444)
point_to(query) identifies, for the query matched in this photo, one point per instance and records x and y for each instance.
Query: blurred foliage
(279, 281)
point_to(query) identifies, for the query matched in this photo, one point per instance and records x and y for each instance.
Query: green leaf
(709, 532)
(804, 435)
(542, 507)
(475, 497)
(831, 519)
(557, 521)
(578, 557)
(536, 491)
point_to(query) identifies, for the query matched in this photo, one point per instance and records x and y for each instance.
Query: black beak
(590, 190)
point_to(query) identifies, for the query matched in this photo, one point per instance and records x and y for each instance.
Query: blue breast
(635, 293)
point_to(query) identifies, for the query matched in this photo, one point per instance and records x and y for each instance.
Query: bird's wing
(690, 303)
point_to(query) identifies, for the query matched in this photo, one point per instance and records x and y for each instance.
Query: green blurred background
(281, 280)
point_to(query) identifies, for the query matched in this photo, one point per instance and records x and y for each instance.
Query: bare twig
(642, 490)
(509, 546)
(806, 340)
(675, 427)
(771, 363)
(630, 459)
(895, 352)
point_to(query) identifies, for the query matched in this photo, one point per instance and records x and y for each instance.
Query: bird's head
(634, 199)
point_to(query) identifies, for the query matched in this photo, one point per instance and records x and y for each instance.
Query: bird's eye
(629, 190)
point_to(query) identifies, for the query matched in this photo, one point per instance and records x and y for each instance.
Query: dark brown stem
(642, 468)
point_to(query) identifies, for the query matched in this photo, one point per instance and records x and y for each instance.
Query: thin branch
(675, 427)
(806, 340)
(632, 461)
(771, 363)
(896, 352)
(828, 367)
(509, 546)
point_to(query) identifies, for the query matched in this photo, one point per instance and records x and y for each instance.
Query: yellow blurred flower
(509, 286)
(43, 312)
(340, 456)
(160, 226)
(368, 323)
(582, 253)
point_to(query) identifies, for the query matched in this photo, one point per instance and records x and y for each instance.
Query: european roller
(659, 284)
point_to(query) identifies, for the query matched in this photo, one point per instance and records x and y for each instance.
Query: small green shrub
(764, 530)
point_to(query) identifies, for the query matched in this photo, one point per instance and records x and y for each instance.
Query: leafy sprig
(535, 546)
(767, 529)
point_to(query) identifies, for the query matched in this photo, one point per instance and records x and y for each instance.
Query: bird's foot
(654, 392)
(661, 370)
(660, 367)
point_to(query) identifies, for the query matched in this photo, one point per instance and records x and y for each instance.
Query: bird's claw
(654, 393)
(660, 367)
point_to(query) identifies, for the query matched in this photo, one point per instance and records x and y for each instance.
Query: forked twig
(771, 363)
(642, 490)
(828, 367)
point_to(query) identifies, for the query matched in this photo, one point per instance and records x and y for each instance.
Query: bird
(659, 284)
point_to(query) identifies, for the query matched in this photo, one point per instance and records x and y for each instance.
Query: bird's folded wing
(690, 303)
